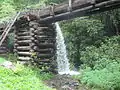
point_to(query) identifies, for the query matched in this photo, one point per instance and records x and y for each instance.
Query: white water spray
(62, 60)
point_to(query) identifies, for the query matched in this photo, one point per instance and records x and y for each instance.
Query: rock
(63, 82)
(8, 64)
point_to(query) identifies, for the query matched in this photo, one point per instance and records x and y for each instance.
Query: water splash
(62, 60)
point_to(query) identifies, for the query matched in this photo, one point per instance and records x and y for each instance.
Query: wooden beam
(107, 8)
(23, 37)
(23, 48)
(24, 53)
(23, 34)
(62, 8)
(43, 56)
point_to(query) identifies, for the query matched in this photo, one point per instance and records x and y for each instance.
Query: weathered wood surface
(23, 33)
(24, 53)
(23, 48)
(62, 8)
(49, 50)
(24, 41)
(24, 37)
(38, 39)
(78, 12)
(24, 58)
(45, 56)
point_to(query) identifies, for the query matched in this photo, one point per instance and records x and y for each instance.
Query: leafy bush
(99, 57)
(106, 79)
(103, 63)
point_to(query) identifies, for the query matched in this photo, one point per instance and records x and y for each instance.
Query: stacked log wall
(44, 39)
(36, 42)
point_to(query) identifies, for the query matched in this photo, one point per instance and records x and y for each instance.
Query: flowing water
(62, 59)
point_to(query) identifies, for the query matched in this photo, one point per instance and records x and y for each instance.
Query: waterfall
(62, 59)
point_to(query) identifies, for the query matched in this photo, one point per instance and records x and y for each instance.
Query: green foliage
(22, 4)
(9, 7)
(23, 78)
(106, 53)
(91, 44)
(12, 57)
(79, 34)
(6, 9)
(106, 79)
(111, 21)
